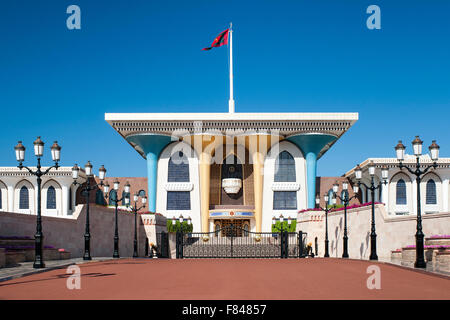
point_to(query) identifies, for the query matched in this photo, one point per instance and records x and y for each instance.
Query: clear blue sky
(289, 56)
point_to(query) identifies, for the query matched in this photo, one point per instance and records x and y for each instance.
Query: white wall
(12, 179)
(193, 186)
(269, 173)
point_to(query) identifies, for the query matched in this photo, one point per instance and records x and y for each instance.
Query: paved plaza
(217, 279)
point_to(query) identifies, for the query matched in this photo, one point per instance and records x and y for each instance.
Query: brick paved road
(229, 279)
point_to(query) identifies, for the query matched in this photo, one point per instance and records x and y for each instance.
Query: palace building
(218, 168)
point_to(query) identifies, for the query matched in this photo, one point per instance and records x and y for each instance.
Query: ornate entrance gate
(235, 242)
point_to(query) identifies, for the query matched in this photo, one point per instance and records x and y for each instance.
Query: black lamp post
(372, 188)
(327, 210)
(20, 156)
(86, 189)
(179, 234)
(135, 210)
(283, 232)
(434, 155)
(346, 199)
(125, 198)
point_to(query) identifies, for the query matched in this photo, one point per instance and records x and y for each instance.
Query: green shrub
(173, 228)
(286, 226)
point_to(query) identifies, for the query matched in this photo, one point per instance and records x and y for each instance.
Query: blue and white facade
(249, 167)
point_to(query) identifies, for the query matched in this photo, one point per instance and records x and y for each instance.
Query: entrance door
(240, 226)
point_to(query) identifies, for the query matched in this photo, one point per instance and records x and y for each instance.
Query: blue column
(151, 145)
(311, 145)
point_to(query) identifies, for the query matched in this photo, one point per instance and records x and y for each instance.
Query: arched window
(178, 170)
(330, 197)
(431, 192)
(112, 197)
(401, 192)
(99, 199)
(24, 201)
(285, 167)
(125, 194)
(51, 198)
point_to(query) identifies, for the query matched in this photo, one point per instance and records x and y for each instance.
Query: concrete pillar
(311, 173)
(444, 198)
(205, 172)
(10, 205)
(258, 176)
(65, 200)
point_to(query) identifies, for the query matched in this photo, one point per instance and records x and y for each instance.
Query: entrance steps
(17, 249)
(437, 254)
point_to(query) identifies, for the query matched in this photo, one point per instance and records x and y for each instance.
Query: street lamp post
(346, 199)
(135, 210)
(179, 235)
(86, 189)
(327, 210)
(372, 188)
(283, 233)
(20, 156)
(125, 198)
(434, 155)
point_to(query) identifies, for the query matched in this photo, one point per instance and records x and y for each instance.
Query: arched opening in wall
(330, 197)
(99, 198)
(112, 197)
(430, 195)
(141, 193)
(178, 171)
(400, 192)
(51, 198)
(231, 172)
(284, 172)
(178, 168)
(24, 198)
(125, 194)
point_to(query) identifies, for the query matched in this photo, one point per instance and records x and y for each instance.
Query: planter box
(13, 258)
(50, 254)
(437, 241)
(408, 256)
(396, 256)
(443, 261)
(64, 255)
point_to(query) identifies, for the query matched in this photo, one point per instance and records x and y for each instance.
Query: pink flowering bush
(436, 246)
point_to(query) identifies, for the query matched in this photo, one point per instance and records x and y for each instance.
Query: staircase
(17, 249)
(437, 254)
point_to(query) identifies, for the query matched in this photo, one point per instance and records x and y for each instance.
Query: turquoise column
(151, 145)
(311, 145)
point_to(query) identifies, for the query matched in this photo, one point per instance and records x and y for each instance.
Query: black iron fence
(235, 242)
(162, 245)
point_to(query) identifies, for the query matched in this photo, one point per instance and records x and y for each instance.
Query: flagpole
(231, 101)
